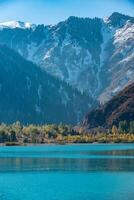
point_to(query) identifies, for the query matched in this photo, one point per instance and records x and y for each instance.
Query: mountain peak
(116, 19)
(16, 24)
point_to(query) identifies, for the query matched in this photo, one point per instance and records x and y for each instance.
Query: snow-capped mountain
(16, 24)
(93, 55)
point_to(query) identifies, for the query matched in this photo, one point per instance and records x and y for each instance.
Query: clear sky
(53, 11)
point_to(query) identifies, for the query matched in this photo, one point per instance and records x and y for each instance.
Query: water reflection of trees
(65, 164)
(128, 152)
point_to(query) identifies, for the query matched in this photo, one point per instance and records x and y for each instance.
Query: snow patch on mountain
(31, 48)
(16, 24)
(124, 34)
(107, 34)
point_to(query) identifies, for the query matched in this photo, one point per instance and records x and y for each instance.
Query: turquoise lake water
(72, 172)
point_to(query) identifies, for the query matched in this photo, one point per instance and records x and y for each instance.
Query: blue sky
(53, 11)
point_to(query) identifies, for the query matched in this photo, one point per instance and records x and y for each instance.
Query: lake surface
(72, 172)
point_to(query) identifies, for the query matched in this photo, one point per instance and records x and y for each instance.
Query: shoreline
(67, 144)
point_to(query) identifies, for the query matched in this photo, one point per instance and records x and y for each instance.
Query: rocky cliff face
(93, 55)
(119, 108)
(30, 95)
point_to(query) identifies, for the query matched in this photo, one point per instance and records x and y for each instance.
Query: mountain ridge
(94, 56)
(119, 108)
(30, 95)
(86, 53)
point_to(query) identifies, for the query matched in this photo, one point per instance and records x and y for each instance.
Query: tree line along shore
(18, 134)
